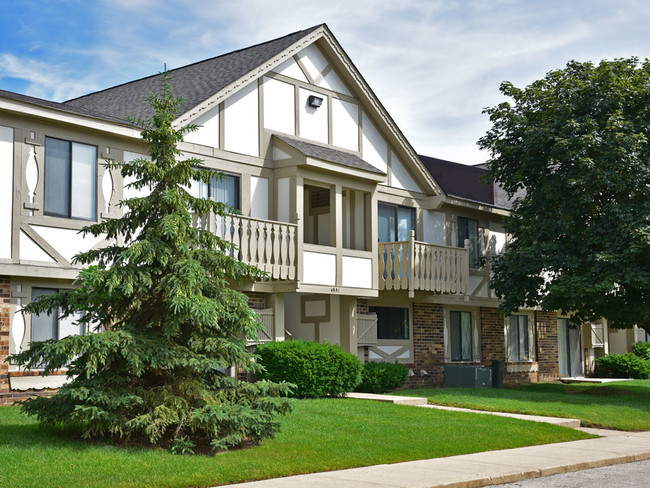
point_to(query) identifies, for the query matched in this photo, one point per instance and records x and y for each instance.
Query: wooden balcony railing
(269, 245)
(412, 265)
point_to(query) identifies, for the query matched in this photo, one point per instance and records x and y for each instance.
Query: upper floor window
(468, 229)
(70, 179)
(395, 222)
(224, 190)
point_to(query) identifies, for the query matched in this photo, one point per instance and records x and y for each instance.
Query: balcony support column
(411, 264)
(348, 323)
(276, 302)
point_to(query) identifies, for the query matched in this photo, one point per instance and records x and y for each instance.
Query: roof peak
(207, 60)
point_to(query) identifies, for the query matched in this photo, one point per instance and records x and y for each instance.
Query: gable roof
(328, 154)
(40, 102)
(195, 82)
(460, 180)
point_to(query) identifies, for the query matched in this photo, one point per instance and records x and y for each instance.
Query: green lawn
(319, 435)
(623, 405)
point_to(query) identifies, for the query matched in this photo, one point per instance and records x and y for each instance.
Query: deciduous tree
(576, 142)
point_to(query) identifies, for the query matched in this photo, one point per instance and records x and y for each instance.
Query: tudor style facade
(366, 244)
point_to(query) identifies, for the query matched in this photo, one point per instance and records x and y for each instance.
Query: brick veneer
(493, 342)
(256, 300)
(428, 346)
(362, 305)
(547, 346)
(494, 346)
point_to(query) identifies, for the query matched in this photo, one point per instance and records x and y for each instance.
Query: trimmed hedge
(642, 349)
(377, 377)
(622, 366)
(317, 370)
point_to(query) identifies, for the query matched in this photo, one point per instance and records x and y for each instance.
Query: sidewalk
(479, 469)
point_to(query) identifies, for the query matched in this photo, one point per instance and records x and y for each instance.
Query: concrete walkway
(480, 469)
(422, 402)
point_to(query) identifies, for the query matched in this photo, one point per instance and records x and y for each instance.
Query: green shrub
(642, 349)
(317, 370)
(381, 377)
(622, 366)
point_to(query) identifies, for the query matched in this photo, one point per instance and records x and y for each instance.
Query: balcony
(417, 266)
(271, 246)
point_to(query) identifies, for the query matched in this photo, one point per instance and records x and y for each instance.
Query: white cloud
(434, 64)
(45, 80)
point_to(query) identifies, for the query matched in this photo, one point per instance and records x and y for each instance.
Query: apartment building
(366, 243)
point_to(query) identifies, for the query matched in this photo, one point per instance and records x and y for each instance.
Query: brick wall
(494, 346)
(428, 346)
(5, 295)
(547, 347)
(255, 300)
(362, 305)
(493, 342)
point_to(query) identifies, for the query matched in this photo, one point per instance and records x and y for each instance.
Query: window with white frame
(46, 326)
(462, 340)
(223, 188)
(70, 179)
(520, 338)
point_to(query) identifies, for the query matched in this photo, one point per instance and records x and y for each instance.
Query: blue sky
(434, 64)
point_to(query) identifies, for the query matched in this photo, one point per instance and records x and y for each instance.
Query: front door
(569, 349)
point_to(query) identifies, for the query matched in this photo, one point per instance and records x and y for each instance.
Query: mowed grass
(319, 435)
(623, 405)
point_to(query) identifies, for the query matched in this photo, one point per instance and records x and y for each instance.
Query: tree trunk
(646, 327)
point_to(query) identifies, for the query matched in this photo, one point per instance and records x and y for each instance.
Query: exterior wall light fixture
(314, 101)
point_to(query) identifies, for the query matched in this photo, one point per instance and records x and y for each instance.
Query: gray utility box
(468, 377)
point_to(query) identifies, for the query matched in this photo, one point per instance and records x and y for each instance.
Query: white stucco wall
(259, 197)
(132, 192)
(313, 60)
(400, 176)
(434, 227)
(497, 242)
(30, 251)
(291, 69)
(313, 121)
(356, 272)
(284, 200)
(67, 242)
(345, 124)
(279, 106)
(374, 148)
(332, 81)
(319, 268)
(6, 189)
(208, 132)
(241, 121)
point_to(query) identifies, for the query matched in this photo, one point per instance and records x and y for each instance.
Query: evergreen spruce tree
(170, 321)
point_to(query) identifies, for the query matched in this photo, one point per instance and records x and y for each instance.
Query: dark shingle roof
(327, 154)
(58, 106)
(460, 180)
(195, 82)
